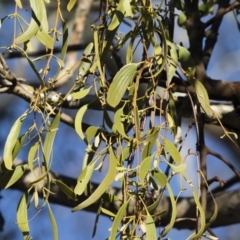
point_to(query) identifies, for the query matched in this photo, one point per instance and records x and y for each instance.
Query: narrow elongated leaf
(173, 214)
(84, 178)
(18, 145)
(120, 82)
(150, 227)
(10, 143)
(53, 223)
(49, 139)
(107, 181)
(19, 3)
(31, 155)
(45, 39)
(172, 63)
(173, 151)
(82, 93)
(79, 119)
(117, 220)
(38, 12)
(203, 97)
(107, 212)
(91, 133)
(118, 16)
(118, 124)
(185, 58)
(144, 169)
(68, 191)
(10, 177)
(202, 217)
(161, 178)
(179, 168)
(22, 217)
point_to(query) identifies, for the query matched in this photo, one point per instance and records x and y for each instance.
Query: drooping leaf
(179, 168)
(120, 82)
(91, 133)
(22, 216)
(10, 143)
(150, 227)
(185, 58)
(117, 220)
(144, 168)
(160, 178)
(171, 67)
(81, 93)
(10, 177)
(45, 39)
(49, 138)
(171, 148)
(31, 155)
(66, 190)
(19, 3)
(18, 145)
(174, 211)
(53, 223)
(103, 186)
(84, 178)
(203, 97)
(117, 16)
(78, 121)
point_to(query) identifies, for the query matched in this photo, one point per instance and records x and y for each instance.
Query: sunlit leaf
(107, 212)
(203, 97)
(81, 93)
(117, 220)
(10, 177)
(185, 58)
(161, 178)
(71, 4)
(45, 39)
(173, 213)
(49, 138)
(118, 16)
(120, 82)
(79, 120)
(53, 223)
(171, 148)
(91, 133)
(150, 227)
(31, 155)
(144, 168)
(68, 191)
(18, 145)
(22, 217)
(103, 186)
(10, 143)
(171, 67)
(19, 3)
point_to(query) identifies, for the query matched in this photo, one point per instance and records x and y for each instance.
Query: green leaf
(49, 138)
(31, 155)
(10, 177)
(172, 63)
(107, 212)
(64, 47)
(118, 124)
(117, 220)
(161, 178)
(68, 191)
(71, 4)
(22, 217)
(118, 16)
(84, 178)
(19, 3)
(179, 168)
(38, 12)
(174, 211)
(185, 58)
(144, 169)
(79, 120)
(150, 227)
(18, 145)
(202, 217)
(53, 223)
(104, 185)
(129, 52)
(11, 142)
(171, 148)
(91, 133)
(203, 97)
(45, 39)
(121, 81)
(82, 93)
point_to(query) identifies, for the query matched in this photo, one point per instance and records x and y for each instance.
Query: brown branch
(228, 203)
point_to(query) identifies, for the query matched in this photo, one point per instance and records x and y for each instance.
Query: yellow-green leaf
(161, 178)
(82, 93)
(171, 148)
(10, 143)
(79, 119)
(144, 169)
(150, 227)
(71, 4)
(10, 177)
(22, 217)
(68, 191)
(31, 155)
(117, 220)
(91, 133)
(53, 223)
(45, 39)
(19, 3)
(103, 186)
(185, 58)
(120, 82)
(49, 138)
